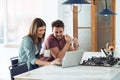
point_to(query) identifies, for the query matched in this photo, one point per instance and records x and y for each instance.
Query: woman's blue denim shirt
(27, 52)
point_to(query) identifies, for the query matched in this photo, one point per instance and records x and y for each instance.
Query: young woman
(31, 45)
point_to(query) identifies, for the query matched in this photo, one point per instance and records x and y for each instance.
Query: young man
(58, 43)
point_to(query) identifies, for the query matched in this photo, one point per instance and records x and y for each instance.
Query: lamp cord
(106, 4)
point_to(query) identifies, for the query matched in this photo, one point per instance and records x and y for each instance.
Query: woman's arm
(42, 63)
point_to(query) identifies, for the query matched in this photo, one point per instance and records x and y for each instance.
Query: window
(17, 15)
(1, 23)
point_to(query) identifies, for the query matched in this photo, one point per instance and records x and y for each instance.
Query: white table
(53, 72)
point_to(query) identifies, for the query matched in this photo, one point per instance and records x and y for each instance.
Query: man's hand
(68, 39)
(75, 42)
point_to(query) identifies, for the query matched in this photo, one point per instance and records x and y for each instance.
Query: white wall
(65, 14)
(49, 13)
(118, 26)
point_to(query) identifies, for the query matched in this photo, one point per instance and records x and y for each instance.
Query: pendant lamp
(106, 11)
(76, 2)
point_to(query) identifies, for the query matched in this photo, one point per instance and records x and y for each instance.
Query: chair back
(14, 60)
(17, 69)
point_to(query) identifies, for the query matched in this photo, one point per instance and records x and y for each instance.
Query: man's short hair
(57, 23)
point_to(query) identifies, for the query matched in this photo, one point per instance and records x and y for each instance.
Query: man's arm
(60, 54)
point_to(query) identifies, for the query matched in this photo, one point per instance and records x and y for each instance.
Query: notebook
(72, 58)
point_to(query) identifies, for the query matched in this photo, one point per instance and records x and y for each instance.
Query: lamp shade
(106, 11)
(76, 2)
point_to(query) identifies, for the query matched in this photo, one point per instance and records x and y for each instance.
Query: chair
(17, 69)
(14, 60)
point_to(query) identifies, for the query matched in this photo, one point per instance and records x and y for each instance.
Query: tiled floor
(5, 55)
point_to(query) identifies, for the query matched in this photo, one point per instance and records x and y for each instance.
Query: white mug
(47, 53)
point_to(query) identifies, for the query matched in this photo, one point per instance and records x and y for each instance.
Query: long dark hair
(36, 23)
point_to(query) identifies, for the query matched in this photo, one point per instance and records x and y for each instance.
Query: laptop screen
(72, 58)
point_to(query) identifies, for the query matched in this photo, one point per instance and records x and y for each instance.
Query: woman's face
(41, 31)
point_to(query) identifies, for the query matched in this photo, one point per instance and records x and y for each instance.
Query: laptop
(72, 58)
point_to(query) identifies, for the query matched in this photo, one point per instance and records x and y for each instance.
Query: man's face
(58, 32)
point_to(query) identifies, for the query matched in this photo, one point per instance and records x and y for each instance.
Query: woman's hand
(56, 62)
